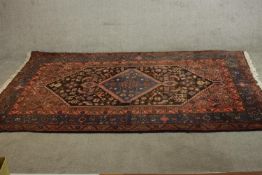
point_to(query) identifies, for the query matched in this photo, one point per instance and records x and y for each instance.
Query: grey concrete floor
(134, 25)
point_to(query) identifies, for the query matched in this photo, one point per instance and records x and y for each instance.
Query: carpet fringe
(253, 69)
(6, 83)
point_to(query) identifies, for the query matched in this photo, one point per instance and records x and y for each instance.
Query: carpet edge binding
(6, 83)
(253, 69)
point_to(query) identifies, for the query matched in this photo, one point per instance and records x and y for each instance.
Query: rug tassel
(6, 83)
(253, 69)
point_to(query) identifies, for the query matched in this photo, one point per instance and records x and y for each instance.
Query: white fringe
(2, 88)
(253, 69)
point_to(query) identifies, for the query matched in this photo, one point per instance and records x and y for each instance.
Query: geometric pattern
(117, 86)
(133, 92)
(129, 85)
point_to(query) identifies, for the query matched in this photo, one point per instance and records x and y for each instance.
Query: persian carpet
(133, 92)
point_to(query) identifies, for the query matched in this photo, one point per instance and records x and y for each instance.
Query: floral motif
(142, 85)
(184, 91)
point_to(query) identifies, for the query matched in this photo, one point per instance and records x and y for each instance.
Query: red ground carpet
(133, 92)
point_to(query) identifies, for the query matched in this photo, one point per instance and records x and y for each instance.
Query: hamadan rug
(133, 92)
